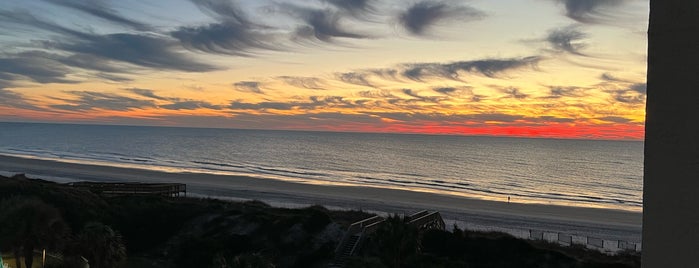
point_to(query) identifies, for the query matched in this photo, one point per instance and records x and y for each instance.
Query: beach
(607, 224)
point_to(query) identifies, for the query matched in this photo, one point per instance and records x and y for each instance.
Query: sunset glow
(524, 68)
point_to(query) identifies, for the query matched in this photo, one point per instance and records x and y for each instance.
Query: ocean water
(550, 171)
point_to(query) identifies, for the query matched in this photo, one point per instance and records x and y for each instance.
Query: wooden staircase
(354, 237)
(357, 233)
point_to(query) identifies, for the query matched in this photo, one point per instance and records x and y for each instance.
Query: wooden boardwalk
(133, 188)
(357, 233)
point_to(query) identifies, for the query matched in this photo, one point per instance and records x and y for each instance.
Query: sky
(524, 68)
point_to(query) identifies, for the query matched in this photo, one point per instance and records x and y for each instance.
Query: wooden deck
(133, 188)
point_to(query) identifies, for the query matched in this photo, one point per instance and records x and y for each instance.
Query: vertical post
(671, 168)
(43, 258)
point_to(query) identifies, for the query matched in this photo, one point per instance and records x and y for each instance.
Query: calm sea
(565, 172)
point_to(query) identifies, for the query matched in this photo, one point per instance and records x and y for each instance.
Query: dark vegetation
(185, 232)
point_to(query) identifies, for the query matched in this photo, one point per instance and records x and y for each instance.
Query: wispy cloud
(13, 99)
(515, 93)
(311, 103)
(100, 10)
(34, 66)
(323, 25)
(223, 10)
(487, 67)
(142, 50)
(101, 52)
(90, 100)
(355, 78)
(639, 87)
(567, 39)
(421, 16)
(189, 105)
(630, 95)
(589, 11)
(232, 33)
(303, 82)
(615, 119)
(148, 93)
(224, 38)
(356, 8)
(248, 86)
(565, 91)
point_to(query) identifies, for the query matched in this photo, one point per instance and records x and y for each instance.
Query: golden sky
(533, 68)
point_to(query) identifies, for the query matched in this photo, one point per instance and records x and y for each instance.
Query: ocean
(584, 173)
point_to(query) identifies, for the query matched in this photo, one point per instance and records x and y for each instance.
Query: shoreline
(605, 223)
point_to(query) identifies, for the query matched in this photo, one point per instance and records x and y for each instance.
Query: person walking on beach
(508, 199)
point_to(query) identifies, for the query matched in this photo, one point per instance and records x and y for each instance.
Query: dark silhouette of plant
(101, 245)
(251, 260)
(27, 224)
(396, 241)
(245, 260)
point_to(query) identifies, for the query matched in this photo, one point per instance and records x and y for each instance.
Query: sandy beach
(604, 223)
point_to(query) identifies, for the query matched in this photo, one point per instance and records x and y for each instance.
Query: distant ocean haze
(585, 173)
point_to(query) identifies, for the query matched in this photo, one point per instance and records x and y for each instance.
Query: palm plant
(29, 224)
(101, 245)
(396, 240)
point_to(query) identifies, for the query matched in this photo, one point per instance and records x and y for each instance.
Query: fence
(587, 241)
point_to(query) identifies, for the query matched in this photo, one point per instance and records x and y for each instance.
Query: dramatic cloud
(567, 40)
(418, 18)
(100, 10)
(248, 86)
(488, 67)
(90, 100)
(588, 11)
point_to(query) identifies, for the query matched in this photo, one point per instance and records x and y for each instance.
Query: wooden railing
(352, 241)
(133, 188)
(427, 220)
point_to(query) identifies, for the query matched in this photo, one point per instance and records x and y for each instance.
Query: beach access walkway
(359, 231)
(133, 188)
